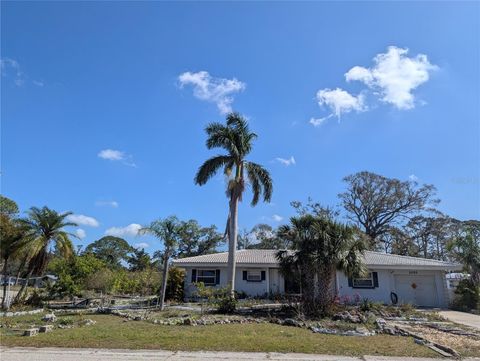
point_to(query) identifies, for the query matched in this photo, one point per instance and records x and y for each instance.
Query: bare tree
(376, 203)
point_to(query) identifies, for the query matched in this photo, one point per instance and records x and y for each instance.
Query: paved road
(59, 354)
(467, 319)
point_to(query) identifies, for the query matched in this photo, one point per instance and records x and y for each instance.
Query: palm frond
(210, 167)
(261, 180)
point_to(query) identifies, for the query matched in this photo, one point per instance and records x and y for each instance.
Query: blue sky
(329, 88)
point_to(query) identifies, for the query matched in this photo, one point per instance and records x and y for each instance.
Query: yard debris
(49, 317)
(31, 332)
(46, 328)
(87, 322)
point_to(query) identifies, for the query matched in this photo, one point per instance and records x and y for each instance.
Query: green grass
(113, 332)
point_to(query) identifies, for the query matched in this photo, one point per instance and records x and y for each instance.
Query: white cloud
(111, 154)
(83, 220)
(80, 233)
(287, 162)
(394, 76)
(113, 204)
(130, 230)
(10, 66)
(141, 245)
(277, 218)
(413, 178)
(215, 90)
(117, 155)
(316, 122)
(38, 83)
(340, 101)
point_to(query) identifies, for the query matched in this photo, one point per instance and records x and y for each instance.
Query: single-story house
(391, 278)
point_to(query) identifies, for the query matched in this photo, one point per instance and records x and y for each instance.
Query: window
(206, 276)
(254, 276)
(364, 282)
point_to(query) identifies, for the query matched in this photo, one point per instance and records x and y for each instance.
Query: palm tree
(166, 230)
(235, 137)
(45, 227)
(320, 247)
(12, 239)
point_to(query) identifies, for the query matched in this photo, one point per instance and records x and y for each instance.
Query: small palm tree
(237, 139)
(320, 247)
(167, 230)
(45, 228)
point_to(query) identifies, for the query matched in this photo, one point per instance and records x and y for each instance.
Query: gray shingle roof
(267, 257)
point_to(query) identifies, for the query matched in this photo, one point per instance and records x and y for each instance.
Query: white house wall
(386, 285)
(261, 288)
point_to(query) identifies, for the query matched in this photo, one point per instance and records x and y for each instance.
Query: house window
(254, 276)
(364, 282)
(206, 276)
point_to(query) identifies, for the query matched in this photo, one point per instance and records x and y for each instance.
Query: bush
(467, 296)
(64, 287)
(366, 305)
(176, 278)
(226, 304)
(219, 298)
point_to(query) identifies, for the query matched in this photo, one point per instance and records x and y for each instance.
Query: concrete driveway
(61, 354)
(463, 318)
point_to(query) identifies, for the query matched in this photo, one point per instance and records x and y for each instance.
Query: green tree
(46, 228)
(321, 246)
(12, 239)
(112, 250)
(236, 138)
(167, 231)
(195, 240)
(376, 203)
(8, 207)
(466, 249)
(140, 260)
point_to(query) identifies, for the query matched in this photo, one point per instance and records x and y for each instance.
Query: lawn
(114, 332)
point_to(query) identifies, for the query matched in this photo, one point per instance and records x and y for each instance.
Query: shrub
(226, 304)
(64, 287)
(467, 296)
(366, 305)
(218, 298)
(176, 278)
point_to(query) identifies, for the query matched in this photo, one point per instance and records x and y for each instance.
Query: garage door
(417, 290)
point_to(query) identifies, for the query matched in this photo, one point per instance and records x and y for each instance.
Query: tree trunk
(20, 268)
(164, 279)
(4, 273)
(18, 297)
(325, 295)
(232, 243)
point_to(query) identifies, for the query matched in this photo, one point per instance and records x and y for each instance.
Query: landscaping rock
(46, 328)
(348, 317)
(87, 322)
(49, 317)
(292, 322)
(30, 332)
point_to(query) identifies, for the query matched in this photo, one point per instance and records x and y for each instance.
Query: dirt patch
(466, 345)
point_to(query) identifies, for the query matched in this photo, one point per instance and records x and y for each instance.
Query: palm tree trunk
(20, 267)
(164, 279)
(4, 273)
(232, 243)
(18, 297)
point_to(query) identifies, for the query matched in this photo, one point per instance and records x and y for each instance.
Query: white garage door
(417, 290)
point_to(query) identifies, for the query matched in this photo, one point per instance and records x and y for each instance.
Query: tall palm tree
(46, 228)
(167, 230)
(237, 139)
(320, 247)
